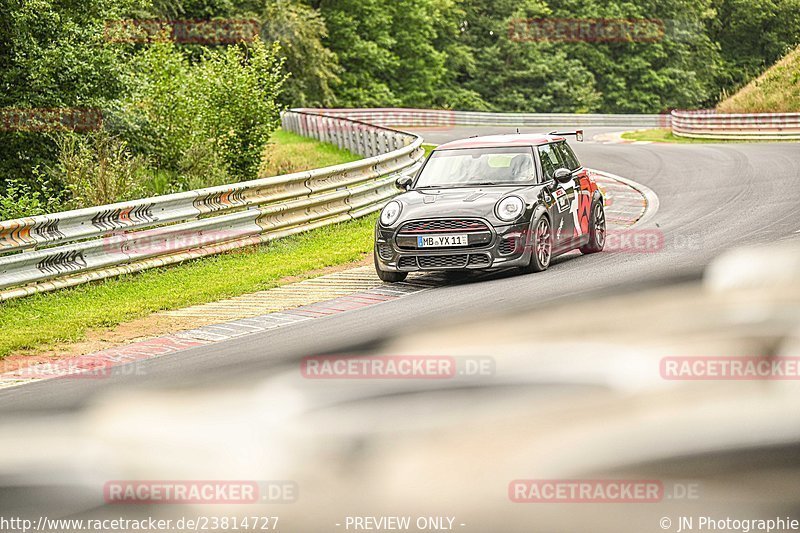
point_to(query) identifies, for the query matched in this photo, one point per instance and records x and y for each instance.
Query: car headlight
(509, 208)
(390, 213)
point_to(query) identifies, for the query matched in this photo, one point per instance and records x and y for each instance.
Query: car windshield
(478, 166)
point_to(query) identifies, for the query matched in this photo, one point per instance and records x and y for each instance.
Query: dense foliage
(179, 116)
(173, 117)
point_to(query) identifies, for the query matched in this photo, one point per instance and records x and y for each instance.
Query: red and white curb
(111, 361)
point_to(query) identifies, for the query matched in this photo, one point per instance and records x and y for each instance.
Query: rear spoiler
(578, 134)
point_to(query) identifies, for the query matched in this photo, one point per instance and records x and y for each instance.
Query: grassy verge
(42, 321)
(777, 90)
(288, 152)
(665, 136)
(428, 148)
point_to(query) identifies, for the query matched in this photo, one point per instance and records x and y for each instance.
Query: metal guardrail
(59, 250)
(444, 118)
(713, 125)
(699, 124)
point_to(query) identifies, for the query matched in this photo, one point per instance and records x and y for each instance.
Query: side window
(567, 156)
(550, 161)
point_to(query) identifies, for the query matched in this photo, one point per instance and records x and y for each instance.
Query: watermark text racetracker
(48, 119)
(205, 492)
(599, 491)
(631, 241)
(396, 367)
(724, 368)
(194, 31)
(602, 30)
(80, 367)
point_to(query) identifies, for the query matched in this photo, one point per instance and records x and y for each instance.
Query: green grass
(428, 148)
(40, 321)
(777, 90)
(288, 152)
(663, 135)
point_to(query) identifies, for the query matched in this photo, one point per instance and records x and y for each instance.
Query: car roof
(498, 141)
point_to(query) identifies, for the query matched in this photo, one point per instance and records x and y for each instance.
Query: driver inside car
(521, 168)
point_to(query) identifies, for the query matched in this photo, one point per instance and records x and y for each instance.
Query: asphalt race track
(712, 197)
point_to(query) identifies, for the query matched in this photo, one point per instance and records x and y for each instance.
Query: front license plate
(442, 241)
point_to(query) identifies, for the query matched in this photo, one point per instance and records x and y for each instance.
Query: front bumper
(496, 253)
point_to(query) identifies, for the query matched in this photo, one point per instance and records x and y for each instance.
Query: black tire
(541, 243)
(387, 276)
(597, 230)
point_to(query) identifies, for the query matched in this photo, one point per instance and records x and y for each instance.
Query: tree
(752, 35)
(53, 54)
(313, 68)
(515, 73)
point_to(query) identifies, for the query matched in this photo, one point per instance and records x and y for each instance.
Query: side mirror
(404, 182)
(563, 175)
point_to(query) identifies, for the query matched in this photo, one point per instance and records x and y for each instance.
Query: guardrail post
(348, 137)
(326, 124)
(371, 141)
(356, 143)
(362, 142)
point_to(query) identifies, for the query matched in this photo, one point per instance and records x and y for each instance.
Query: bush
(205, 123)
(22, 200)
(201, 166)
(157, 117)
(99, 169)
(236, 91)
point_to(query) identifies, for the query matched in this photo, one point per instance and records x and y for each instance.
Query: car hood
(459, 202)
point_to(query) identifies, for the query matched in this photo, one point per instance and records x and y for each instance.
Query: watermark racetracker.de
(633, 241)
(726, 368)
(599, 30)
(50, 119)
(81, 367)
(189, 31)
(440, 119)
(602, 30)
(427, 367)
(199, 492)
(600, 491)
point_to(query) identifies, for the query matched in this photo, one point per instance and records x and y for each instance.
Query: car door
(564, 195)
(582, 201)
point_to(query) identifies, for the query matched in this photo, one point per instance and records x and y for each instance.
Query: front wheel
(541, 246)
(597, 230)
(387, 276)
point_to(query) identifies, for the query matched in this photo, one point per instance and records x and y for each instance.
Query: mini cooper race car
(491, 202)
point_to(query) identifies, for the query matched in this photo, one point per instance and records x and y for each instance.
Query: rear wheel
(390, 277)
(597, 230)
(541, 245)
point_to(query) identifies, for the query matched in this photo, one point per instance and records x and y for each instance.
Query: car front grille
(407, 262)
(385, 251)
(441, 262)
(479, 260)
(508, 246)
(460, 225)
(478, 233)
